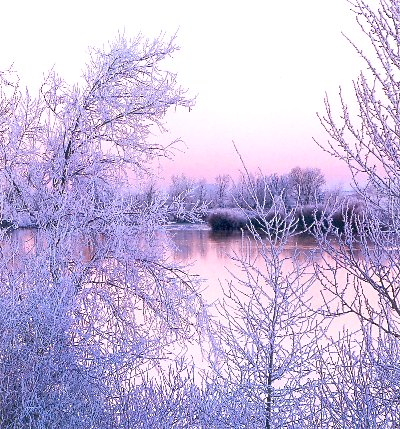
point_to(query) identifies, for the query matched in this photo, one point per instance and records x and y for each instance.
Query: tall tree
(89, 304)
(365, 136)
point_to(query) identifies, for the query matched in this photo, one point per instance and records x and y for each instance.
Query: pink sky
(259, 70)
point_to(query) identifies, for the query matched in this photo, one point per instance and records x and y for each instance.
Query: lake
(208, 254)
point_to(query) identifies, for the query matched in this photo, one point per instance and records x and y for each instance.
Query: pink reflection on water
(209, 256)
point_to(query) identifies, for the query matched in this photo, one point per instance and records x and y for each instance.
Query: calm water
(209, 254)
(210, 257)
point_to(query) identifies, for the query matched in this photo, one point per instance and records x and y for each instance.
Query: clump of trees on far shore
(228, 204)
(301, 186)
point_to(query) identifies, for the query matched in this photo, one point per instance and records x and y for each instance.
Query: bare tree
(240, 192)
(360, 382)
(201, 191)
(181, 187)
(184, 200)
(365, 136)
(222, 185)
(368, 144)
(89, 304)
(279, 186)
(306, 185)
(268, 331)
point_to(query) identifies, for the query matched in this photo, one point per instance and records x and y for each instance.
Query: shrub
(226, 221)
(308, 217)
(271, 223)
(348, 217)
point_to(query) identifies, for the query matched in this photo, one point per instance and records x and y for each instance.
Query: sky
(259, 71)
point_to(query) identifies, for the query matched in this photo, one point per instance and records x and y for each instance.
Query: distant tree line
(299, 187)
(228, 204)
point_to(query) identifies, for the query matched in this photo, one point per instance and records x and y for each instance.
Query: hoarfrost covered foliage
(364, 135)
(73, 144)
(90, 306)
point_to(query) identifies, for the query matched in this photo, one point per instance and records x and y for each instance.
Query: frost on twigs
(89, 302)
(365, 137)
(71, 138)
(359, 273)
(268, 331)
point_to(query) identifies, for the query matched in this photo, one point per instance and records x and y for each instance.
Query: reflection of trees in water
(191, 244)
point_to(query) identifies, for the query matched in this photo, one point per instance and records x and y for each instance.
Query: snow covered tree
(368, 143)
(221, 190)
(201, 191)
(89, 304)
(72, 138)
(267, 189)
(306, 185)
(184, 199)
(268, 331)
(359, 382)
(361, 271)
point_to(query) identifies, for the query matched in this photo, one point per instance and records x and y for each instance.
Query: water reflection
(209, 255)
(30, 241)
(193, 245)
